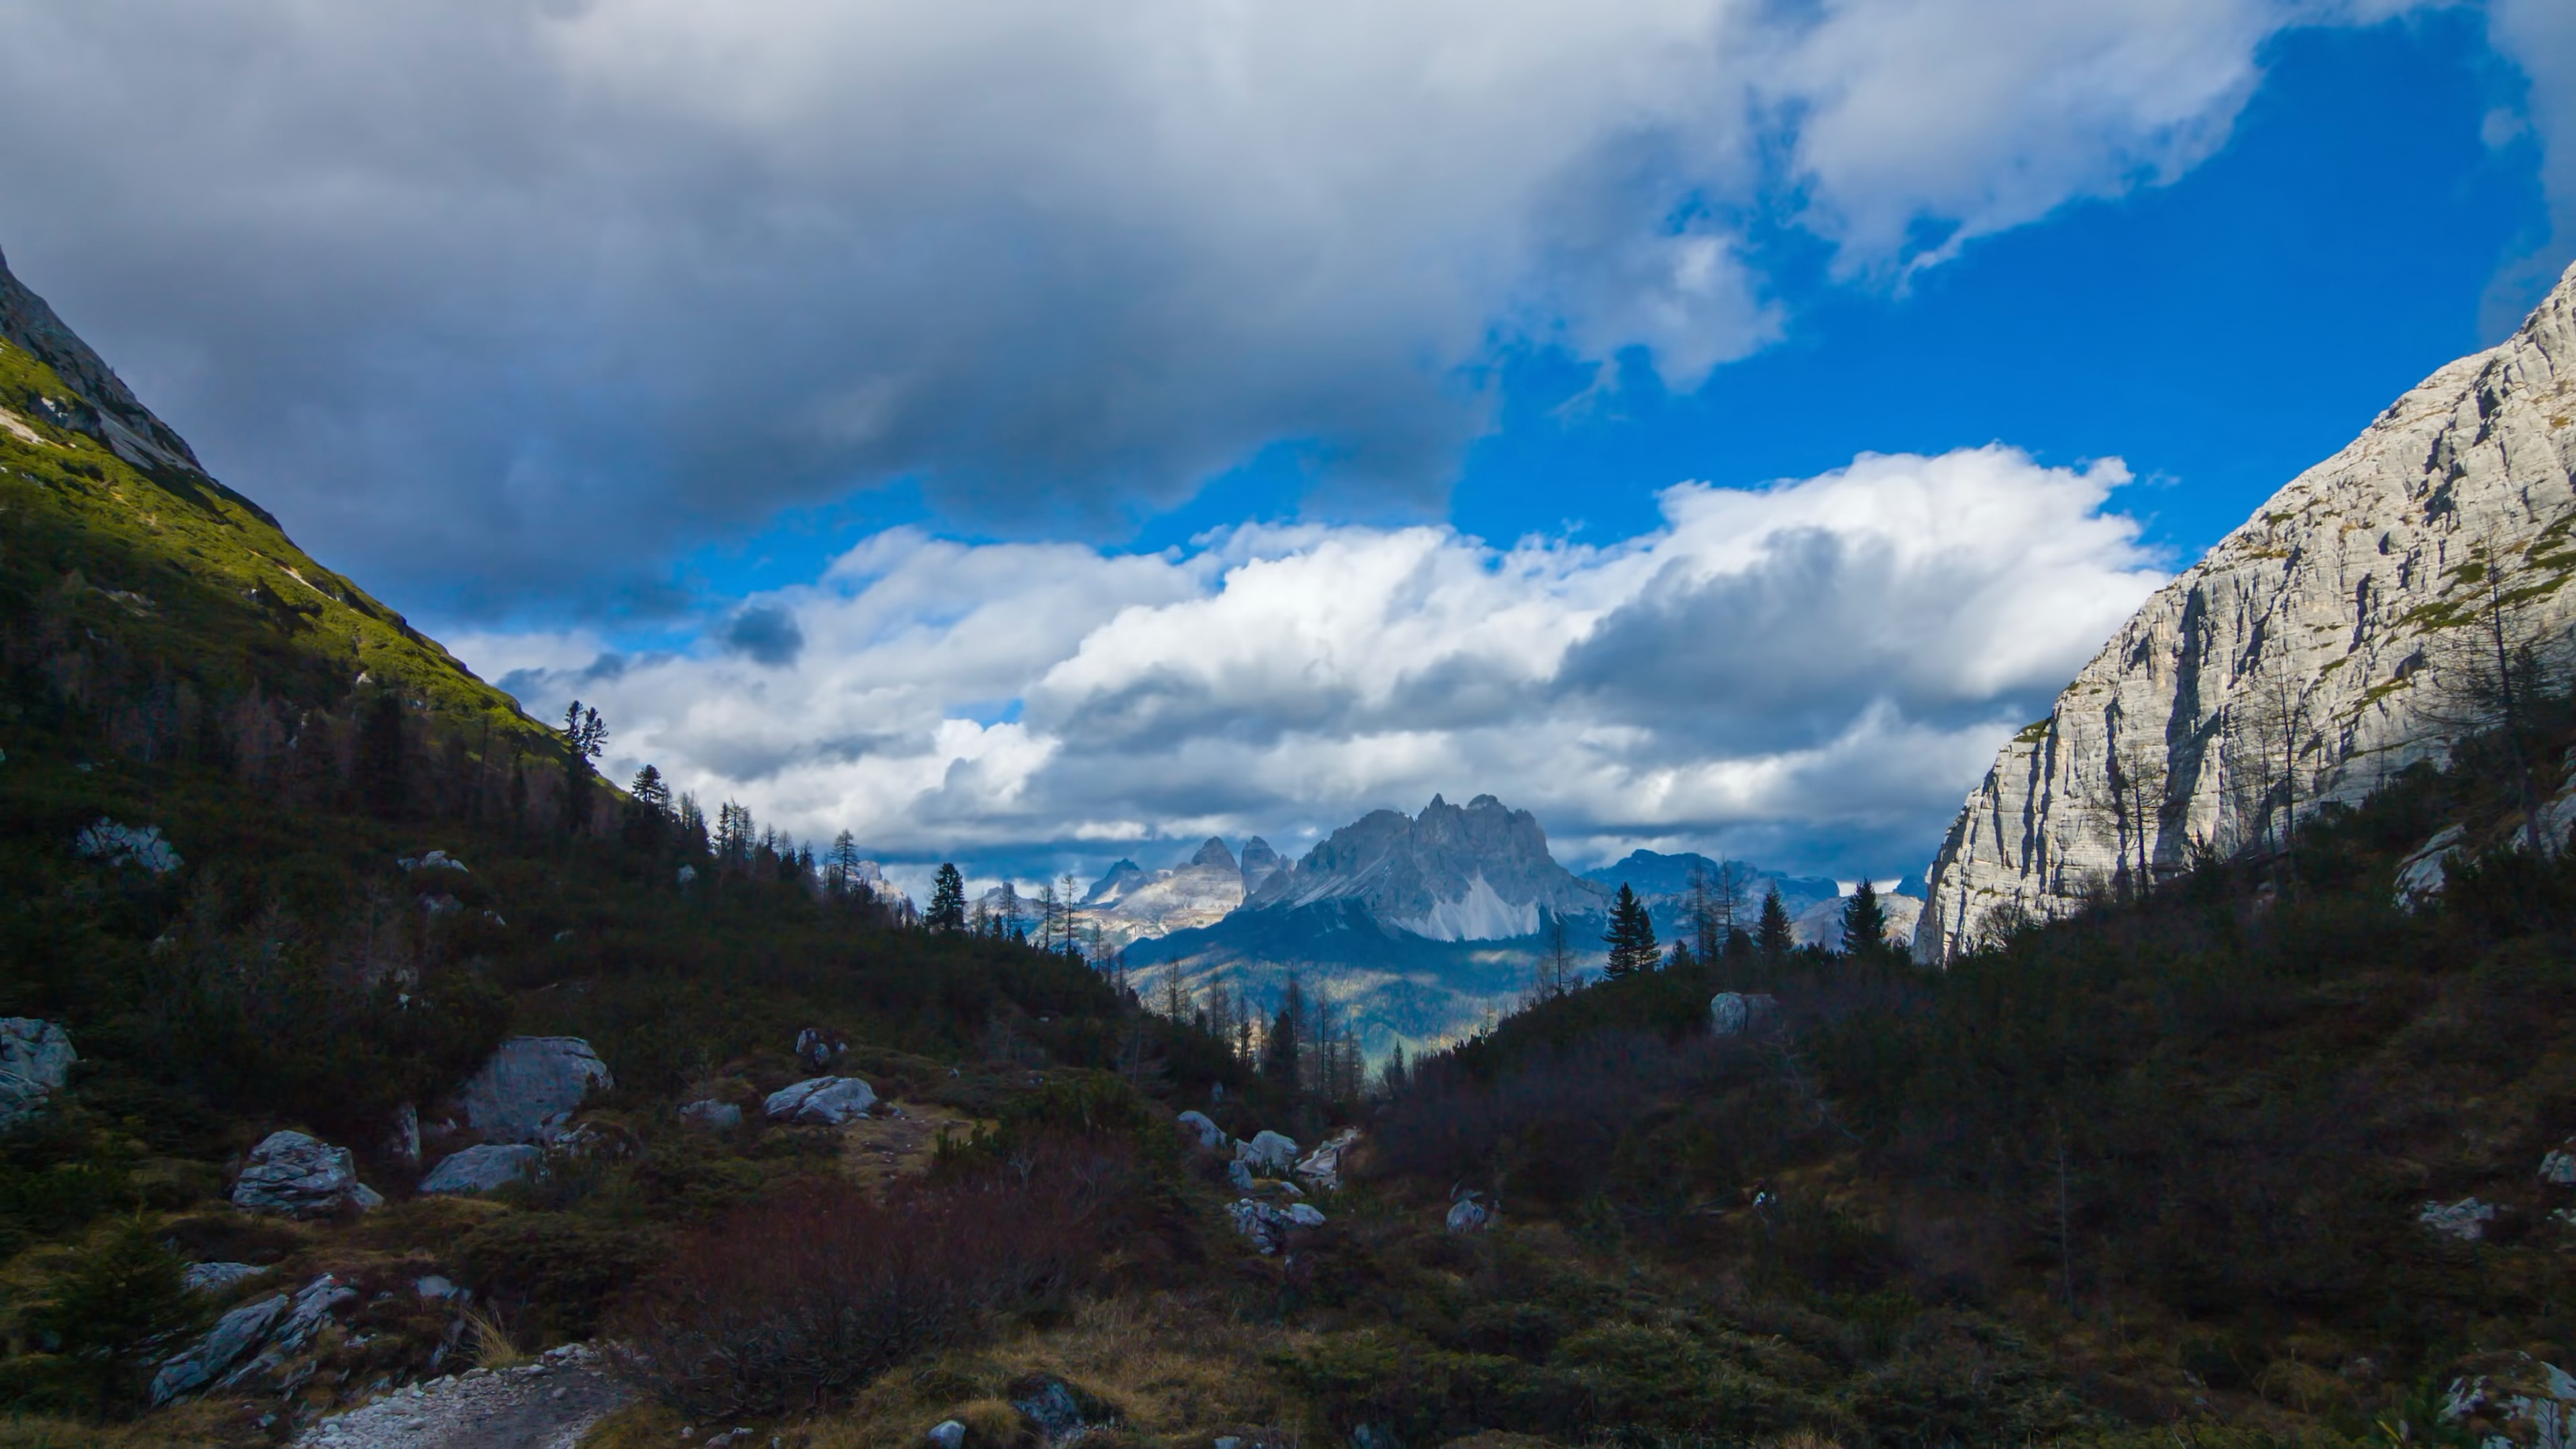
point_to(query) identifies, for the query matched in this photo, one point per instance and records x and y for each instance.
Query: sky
(1031, 433)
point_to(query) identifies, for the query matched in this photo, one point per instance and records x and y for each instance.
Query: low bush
(815, 1292)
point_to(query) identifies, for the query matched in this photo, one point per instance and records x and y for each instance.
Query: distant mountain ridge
(1481, 872)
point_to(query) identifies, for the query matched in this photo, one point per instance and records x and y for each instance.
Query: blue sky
(1035, 437)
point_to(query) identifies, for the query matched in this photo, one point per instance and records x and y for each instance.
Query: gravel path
(548, 1404)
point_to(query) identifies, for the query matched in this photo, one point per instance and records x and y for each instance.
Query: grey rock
(2465, 1220)
(1264, 1225)
(481, 1169)
(35, 1060)
(946, 1434)
(825, 1100)
(2344, 591)
(1322, 1168)
(234, 1334)
(217, 1277)
(2422, 874)
(1052, 1408)
(1305, 1215)
(1240, 1175)
(436, 1288)
(302, 1177)
(818, 1048)
(402, 1143)
(528, 1081)
(710, 1113)
(1202, 1130)
(2559, 1167)
(1272, 1154)
(312, 1308)
(1468, 1213)
(1731, 1014)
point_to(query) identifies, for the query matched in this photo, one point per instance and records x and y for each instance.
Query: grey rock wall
(2338, 606)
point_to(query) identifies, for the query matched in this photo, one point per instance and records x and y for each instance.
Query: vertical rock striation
(2311, 654)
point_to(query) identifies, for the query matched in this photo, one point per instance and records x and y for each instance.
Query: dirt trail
(548, 1404)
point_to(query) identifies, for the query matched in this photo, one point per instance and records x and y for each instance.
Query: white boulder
(1731, 1014)
(1271, 1154)
(481, 1169)
(1468, 1212)
(2421, 875)
(829, 1101)
(216, 1277)
(2559, 1168)
(35, 1060)
(1322, 1168)
(1266, 1225)
(712, 1114)
(233, 1335)
(1202, 1130)
(302, 1177)
(530, 1080)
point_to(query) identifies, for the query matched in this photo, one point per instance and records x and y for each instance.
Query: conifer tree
(584, 736)
(1864, 922)
(1285, 1044)
(947, 900)
(1773, 938)
(1631, 937)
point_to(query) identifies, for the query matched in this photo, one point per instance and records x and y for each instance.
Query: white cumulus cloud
(1830, 661)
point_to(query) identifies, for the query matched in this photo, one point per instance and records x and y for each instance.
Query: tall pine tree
(1631, 937)
(1773, 937)
(947, 901)
(1864, 923)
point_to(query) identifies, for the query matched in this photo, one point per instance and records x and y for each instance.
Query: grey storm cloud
(765, 634)
(502, 301)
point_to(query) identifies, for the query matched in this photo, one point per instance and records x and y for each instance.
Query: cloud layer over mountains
(1840, 654)
(516, 299)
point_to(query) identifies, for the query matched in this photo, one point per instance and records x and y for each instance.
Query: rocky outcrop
(2314, 652)
(110, 412)
(35, 1060)
(481, 1169)
(530, 1085)
(279, 1327)
(712, 1114)
(301, 1177)
(1130, 903)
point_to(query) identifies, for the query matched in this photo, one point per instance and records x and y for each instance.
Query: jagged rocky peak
(2314, 652)
(1116, 882)
(1214, 856)
(1481, 872)
(1260, 862)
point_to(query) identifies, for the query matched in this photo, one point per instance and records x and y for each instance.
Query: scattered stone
(2559, 1168)
(2465, 1220)
(946, 1434)
(830, 1101)
(481, 1169)
(710, 1113)
(528, 1081)
(403, 1142)
(312, 1309)
(436, 1288)
(2517, 1400)
(1059, 1412)
(233, 1335)
(1266, 1225)
(112, 844)
(218, 1277)
(35, 1060)
(818, 1048)
(1469, 1212)
(302, 1177)
(1305, 1215)
(1272, 1154)
(434, 860)
(1239, 1175)
(1730, 1014)
(1201, 1129)
(1323, 1167)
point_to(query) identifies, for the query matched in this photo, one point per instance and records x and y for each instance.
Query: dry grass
(877, 1151)
(491, 1343)
(1176, 1369)
(209, 1424)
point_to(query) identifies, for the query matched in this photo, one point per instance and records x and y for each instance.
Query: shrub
(568, 1267)
(788, 1302)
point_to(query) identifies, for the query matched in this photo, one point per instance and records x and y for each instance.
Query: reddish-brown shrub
(788, 1301)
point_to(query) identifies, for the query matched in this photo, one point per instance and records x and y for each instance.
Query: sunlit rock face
(1131, 903)
(2316, 650)
(1477, 873)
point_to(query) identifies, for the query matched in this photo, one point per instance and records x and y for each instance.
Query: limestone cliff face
(2303, 660)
